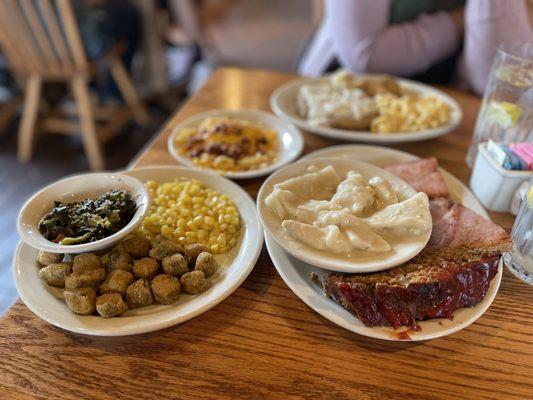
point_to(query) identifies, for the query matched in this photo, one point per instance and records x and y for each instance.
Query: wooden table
(262, 341)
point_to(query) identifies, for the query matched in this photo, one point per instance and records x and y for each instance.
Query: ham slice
(455, 225)
(422, 175)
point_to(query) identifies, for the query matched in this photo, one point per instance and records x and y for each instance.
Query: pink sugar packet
(525, 152)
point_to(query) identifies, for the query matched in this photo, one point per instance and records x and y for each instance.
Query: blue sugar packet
(513, 161)
(505, 157)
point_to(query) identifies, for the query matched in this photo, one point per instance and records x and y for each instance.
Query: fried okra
(45, 259)
(81, 300)
(175, 265)
(192, 251)
(165, 248)
(136, 246)
(138, 294)
(57, 292)
(145, 268)
(206, 263)
(110, 305)
(86, 262)
(166, 288)
(55, 274)
(193, 282)
(118, 259)
(92, 278)
(157, 239)
(117, 281)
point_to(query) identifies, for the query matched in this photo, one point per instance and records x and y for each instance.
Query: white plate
(297, 275)
(290, 140)
(401, 251)
(236, 265)
(283, 103)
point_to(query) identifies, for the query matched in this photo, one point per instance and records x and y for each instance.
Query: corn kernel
(166, 231)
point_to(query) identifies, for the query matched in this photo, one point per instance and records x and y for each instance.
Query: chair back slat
(41, 37)
(53, 25)
(72, 33)
(40, 34)
(14, 54)
(15, 30)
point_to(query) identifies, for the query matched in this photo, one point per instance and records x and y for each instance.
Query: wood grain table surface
(262, 341)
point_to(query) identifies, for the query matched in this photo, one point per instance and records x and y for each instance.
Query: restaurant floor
(55, 156)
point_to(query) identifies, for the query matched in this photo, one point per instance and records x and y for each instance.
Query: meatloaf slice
(432, 285)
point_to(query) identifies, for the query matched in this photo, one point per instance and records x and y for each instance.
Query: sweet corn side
(189, 212)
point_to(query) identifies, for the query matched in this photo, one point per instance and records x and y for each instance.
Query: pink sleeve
(489, 23)
(365, 42)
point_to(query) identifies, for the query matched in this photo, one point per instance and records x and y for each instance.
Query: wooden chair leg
(128, 91)
(88, 123)
(29, 117)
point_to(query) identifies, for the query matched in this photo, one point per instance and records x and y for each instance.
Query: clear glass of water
(520, 260)
(506, 114)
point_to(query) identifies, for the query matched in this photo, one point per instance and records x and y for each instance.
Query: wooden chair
(41, 42)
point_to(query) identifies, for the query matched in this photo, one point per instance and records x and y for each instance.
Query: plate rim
(290, 127)
(367, 136)
(168, 321)
(281, 267)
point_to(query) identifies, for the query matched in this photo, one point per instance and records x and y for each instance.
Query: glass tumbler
(506, 114)
(520, 260)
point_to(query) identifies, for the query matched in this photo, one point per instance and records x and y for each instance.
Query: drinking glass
(506, 114)
(520, 260)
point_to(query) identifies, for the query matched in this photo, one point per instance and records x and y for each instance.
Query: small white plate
(401, 251)
(236, 266)
(290, 140)
(283, 103)
(297, 274)
(76, 188)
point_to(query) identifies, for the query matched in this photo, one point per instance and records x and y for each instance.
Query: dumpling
(410, 216)
(354, 194)
(318, 185)
(326, 238)
(385, 194)
(357, 231)
(283, 203)
(317, 206)
(306, 233)
(337, 241)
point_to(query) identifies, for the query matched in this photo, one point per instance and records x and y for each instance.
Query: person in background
(103, 25)
(432, 40)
